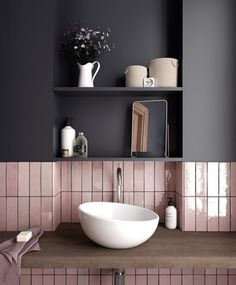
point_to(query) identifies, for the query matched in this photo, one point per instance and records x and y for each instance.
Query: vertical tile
(97, 176)
(66, 176)
(153, 280)
(12, 179)
(25, 280)
(11, 214)
(232, 271)
(224, 214)
(138, 176)
(66, 207)
(222, 271)
(37, 280)
(141, 271)
(213, 214)
(170, 172)
(233, 213)
(164, 271)
(199, 271)
(60, 280)
(37, 271)
(3, 213)
(130, 271)
(71, 279)
(47, 178)
(232, 280)
(86, 176)
(221, 279)
(164, 280)
(201, 214)
(224, 179)
(233, 178)
(188, 204)
(107, 196)
(3, 173)
(56, 211)
(179, 180)
(160, 205)
(201, 179)
(23, 213)
(210, 271)
(83, 280)
(189, 189)
(199, 279)
(176, 280)
(47, 213)
(213, 174)
(149, 200)
(60, 271)
(48, 271)
(97, 196)
(187, 280)
(128, 175)
(25, 271)
(160, 176)
(35, 211)
(76, 175)
(106, 280)
(141, 280)
(35, 178)
(139, 199)
(76, 201)
(130, 279)
(23, 179)
(95, 280)
(106, 271)
(187, 271)
(175, 271)
(48, 279)
(210, 280)
(149, 172)
(56, 177)
(107, 176)
(86, 197)
(129, 197)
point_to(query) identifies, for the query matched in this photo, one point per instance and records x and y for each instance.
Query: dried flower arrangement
(84, 44)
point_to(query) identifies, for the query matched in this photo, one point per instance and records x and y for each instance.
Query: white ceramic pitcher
(86, 77)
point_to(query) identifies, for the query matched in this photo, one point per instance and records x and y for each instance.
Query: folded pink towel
(11, 253)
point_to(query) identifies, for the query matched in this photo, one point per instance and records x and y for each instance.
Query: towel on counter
(11, 253)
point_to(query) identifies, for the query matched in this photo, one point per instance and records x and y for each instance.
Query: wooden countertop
(69, 247)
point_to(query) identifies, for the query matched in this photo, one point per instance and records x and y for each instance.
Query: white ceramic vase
(86, 76)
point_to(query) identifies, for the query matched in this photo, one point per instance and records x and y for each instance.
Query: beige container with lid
(134, 75)
(165, 71)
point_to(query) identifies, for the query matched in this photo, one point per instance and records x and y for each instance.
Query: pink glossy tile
(187, 271)
(222, 271)
(213, 214)
(188, 223)
(107, 176)
(37, 271)
(86, 176)
(47, 179)
(11, 214)
(233, 213)
(142, 271)
(164, 280)
(130, 271)
(106, 280)
(86, 197)
(12, 179)
(35, 178)
(66, 207)
(37, 280)
(56, 177)
(128, 175)
(233, 178)
(107, 196)
(224, 214)
(3, 213)
(222, 279)
(83, 271)
(71, 271)
(60, 280)
(106, 272)
(97, 176)
(48, 271)
(83, 280)
(224, 179)
(35, 211)
(199, 271)
(130, 279)
(189, 179)
(56, 211)
(179, 180)
(48, 280)
(153, 271)
(160, 176)
(23, 213)
(97, 196)
(232, 280)
(3, 174)
(232, 271)
(94, 271)
(129, 198)
(176, 280)
(187, 280)
(170, 175)
(210, 271)
(95, 280)
(23, 179)
(25, 280)
(164, 271)
(66, 176)
(138, 175)
(201, 179)
(160, 204)
(25, 271)
(213, 185)
(149, 198)
(76, 175)
(201, 214)
(175, 271)
(47, 224)
(210, 280)
(149, 174)
(199, 279)
(76, 201)
(139, 199)
(141, 280)
(60, 271)
(152, 280)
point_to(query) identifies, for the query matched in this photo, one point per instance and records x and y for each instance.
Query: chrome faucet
(119, 184)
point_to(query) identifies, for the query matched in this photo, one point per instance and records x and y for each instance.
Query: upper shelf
(116, 91)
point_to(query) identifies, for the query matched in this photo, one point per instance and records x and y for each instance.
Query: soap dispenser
(170, 215)
(81, 146)
(67, 139)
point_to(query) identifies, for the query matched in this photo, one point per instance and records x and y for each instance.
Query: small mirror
(149, 129)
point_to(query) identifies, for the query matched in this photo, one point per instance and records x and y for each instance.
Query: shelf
(68, 247)
(115, 91)
(120, 159)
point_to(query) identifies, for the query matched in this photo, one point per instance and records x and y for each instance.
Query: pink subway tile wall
(206, 196)
(161, 276)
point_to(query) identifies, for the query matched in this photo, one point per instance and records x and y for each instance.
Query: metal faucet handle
(119, 176)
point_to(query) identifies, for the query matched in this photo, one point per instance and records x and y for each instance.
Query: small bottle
(81, 146)
(67, 139)
(170, 215)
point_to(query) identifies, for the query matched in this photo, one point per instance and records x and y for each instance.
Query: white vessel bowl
(116, 225)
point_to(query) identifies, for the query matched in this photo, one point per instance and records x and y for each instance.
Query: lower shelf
(69, 247)
(120, 159)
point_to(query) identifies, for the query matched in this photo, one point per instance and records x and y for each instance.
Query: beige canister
(165, 71)
(134, 75)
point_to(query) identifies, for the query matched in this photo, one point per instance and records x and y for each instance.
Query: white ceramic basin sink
(116, 225)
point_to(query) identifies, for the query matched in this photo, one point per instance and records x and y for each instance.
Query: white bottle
(171, 215)
(67, 140)
(81, 146)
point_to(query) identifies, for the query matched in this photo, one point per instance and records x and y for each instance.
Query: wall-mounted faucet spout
(119, 184)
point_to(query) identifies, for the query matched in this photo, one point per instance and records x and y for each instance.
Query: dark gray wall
(209, 80)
